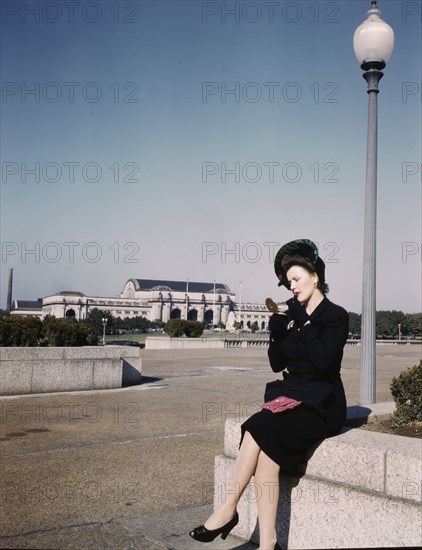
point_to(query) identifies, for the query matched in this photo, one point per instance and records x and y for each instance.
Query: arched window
(193, 315)
(175, 314)
(208, 318)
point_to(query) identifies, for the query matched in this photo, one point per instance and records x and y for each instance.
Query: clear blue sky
(159, 136)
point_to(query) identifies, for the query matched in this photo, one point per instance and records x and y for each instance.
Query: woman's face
(302, 283)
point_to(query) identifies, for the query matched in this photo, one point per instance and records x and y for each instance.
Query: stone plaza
(134, 467)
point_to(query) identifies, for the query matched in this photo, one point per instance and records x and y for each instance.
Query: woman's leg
(245, 466)
(267, 491)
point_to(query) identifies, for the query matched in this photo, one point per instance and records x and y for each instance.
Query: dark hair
(289, 261)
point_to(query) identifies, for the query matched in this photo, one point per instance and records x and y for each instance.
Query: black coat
(311, 358)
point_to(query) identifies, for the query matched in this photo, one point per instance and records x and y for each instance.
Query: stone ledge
(365, 414)
(83, 352)
(44, 370)
(165, 342)
(367, 484)
(366, 460)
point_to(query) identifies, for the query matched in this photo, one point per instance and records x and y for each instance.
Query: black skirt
(290, 438)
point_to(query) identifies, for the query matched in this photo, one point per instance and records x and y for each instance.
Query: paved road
(133, 468)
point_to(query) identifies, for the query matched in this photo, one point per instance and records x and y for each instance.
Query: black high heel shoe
(203, 534)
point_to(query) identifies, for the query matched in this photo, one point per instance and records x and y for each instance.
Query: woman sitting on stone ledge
(301, 410)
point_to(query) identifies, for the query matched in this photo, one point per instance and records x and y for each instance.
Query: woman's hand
(297, 312)
(278, 325)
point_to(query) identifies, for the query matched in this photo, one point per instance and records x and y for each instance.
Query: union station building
(156, 300)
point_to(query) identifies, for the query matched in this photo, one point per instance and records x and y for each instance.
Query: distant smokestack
(9, 292)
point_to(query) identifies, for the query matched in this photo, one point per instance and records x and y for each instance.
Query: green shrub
(67, 332)
(90, 333)
(175, 327)
(406, 390)
(20, 331)
(17, 331)
(194, 329)
(179, 327)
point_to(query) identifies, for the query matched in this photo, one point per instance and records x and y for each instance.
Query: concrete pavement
(134, 467)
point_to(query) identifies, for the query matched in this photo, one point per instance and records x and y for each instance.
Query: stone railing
(251, 343)
(245, 343)
(361, 489)
(165, 342)
(42, 370)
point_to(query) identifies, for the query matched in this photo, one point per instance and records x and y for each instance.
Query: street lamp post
(187, 298)
(213, 311)
(373, 43)
(240, 307)
(104, 321)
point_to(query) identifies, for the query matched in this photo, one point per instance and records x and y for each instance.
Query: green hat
(300, 247)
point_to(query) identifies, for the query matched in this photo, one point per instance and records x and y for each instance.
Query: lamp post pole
(373, 43)
(187, 298)
(368, 351)
(104, 321)
(240, 306)
(213, 311)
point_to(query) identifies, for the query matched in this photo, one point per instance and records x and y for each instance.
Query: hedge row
(33, 332)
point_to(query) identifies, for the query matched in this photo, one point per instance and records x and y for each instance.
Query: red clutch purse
(280, 404)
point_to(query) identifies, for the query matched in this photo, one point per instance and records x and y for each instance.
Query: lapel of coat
(320, 309)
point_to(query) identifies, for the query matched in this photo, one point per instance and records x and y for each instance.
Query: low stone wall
(58, 369)
(361, 489)
(165, 342)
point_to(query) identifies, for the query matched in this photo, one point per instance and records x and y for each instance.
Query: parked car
(125, 343)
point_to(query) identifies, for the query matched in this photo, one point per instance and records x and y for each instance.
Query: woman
(301, 410)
